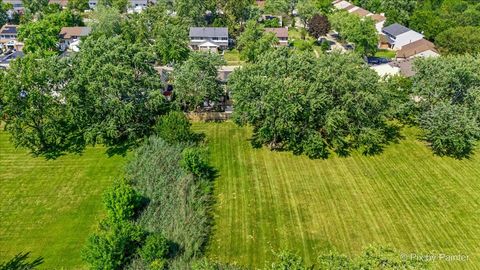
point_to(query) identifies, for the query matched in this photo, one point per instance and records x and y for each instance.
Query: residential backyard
(51, 207)
(405, 197)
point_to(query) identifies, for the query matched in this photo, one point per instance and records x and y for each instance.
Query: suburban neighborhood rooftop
(208, 31)
(396, 29)
(8, 29)
(77, 31)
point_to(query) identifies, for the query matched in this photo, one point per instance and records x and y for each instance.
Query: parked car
(376, 60)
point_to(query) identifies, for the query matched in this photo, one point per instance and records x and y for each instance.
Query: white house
(379, 19)
(398, 36)
(208, 38)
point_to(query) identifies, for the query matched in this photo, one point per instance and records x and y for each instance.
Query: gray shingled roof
(395, 29)
(208, 32)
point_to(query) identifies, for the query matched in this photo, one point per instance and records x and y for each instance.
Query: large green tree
(311, 105)
(253, 41)
(34, 6)
(78, 5)
(361, 32)
(115, 93)
(448, 95)
(194, 10)
(195, 81)
(171, 42)
(398, 11)
(41, 36)
(3, 13)
(459, 40)
(35, 106)
(306, 9)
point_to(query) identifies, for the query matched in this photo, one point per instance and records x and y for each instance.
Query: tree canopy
(311, 105)
(459, 40)
(42, 36)
(195, 81)
(448, 90)
(361, 32)
(254, 42)
(318, 26)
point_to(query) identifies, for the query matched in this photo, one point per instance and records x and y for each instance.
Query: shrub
(195, 160)
(174, 128)
(121, 201)
(114, 245)
(155, 249)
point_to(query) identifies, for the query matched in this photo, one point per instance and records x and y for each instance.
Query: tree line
(336, 104)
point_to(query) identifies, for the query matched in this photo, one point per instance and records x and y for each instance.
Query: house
(419, 48)
(208, 38)
(9, 31)
(135, 5)
(397, 36)
(360, 12)
(339, 4)
(8, 38)
(379, 19)
(280, 33)
(70, 37)
(62, 3)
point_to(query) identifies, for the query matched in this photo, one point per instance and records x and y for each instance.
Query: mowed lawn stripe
(51, 207)
(405, 197)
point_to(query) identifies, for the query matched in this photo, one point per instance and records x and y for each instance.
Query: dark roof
(396, 29)
(208, 32)
(8, 29)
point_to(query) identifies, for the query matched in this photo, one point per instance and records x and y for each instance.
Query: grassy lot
(50, 207)
(405, 197)
(233, 58)
(386, 54)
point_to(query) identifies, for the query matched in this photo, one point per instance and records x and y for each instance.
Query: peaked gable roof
(361, 12)
(77, 31)
(396, 29)
(9, 29)
(415, 48)
(208, 32)
(280, 32)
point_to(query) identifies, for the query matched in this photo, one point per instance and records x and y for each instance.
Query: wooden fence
(208, 116)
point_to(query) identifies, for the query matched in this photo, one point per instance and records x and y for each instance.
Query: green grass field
(50, 207)
(386, 54)
(233, 58)
(405, 197)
